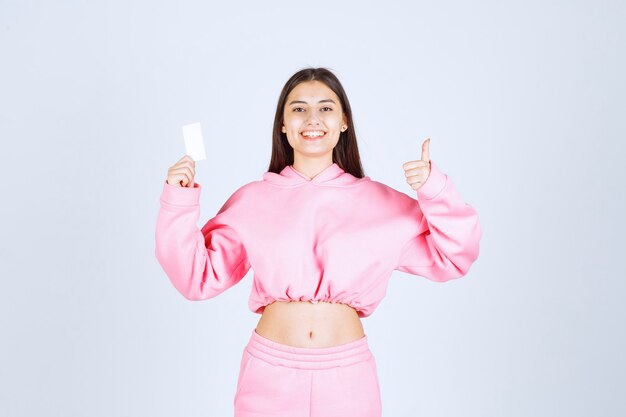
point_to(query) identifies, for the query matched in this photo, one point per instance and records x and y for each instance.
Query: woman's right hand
(181, 174)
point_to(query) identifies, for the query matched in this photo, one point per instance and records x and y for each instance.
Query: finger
(414, 179)
(192, 166)
(188, 179)
(186, 162)
(183, 170)
(425, 150)
(414, 164)
(183, 174)
(415, 182)
(419, 172)
(179, 178)
(178, 166)
(183, 158)
(190, 172)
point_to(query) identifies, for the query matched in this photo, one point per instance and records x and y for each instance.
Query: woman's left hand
(417, 172)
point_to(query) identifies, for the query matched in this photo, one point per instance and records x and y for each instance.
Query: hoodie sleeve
(449, 232)
(200, 263)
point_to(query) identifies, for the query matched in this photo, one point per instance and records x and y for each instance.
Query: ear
(345, 121)
(283, 129)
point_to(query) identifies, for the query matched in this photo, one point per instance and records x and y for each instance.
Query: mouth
(313, 134)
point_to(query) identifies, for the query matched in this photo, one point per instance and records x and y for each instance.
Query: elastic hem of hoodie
(435, 183)
(180, 196)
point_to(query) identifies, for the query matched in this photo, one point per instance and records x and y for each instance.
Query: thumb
(425, 150)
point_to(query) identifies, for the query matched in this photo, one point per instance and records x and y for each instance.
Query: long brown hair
(345, 153)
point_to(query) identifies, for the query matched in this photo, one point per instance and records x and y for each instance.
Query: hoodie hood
(333, 175)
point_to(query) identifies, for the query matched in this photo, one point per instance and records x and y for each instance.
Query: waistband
(308, 358)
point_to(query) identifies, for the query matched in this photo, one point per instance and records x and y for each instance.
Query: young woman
(323, 241)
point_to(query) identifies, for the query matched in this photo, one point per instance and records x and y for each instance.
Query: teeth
(313, 134)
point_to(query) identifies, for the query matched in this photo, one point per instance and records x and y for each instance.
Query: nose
(313, 120)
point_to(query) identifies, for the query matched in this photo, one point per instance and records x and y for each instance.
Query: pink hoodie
(334, 238)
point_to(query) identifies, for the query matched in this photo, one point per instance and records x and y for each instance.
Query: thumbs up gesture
(417, 172)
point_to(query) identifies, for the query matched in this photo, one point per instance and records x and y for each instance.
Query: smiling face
(313, 120)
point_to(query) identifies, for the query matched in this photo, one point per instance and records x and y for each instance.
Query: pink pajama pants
(277, 380)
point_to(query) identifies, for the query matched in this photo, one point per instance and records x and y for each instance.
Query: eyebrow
(328, 100)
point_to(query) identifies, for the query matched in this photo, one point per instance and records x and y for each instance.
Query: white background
(524, 103)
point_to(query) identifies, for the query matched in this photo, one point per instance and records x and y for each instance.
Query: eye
(329, 108)
(296, 108)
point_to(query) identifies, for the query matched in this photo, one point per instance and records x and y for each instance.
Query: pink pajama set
(334, 238)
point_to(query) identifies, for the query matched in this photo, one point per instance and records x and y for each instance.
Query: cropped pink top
(333, 237)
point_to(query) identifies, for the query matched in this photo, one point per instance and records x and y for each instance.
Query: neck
(312, 166)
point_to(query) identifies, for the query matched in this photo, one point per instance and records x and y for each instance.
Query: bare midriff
(310, 325)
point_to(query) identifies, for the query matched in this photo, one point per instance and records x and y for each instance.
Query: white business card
(194, 146)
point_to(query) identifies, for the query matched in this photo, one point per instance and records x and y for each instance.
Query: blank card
(194, 146)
